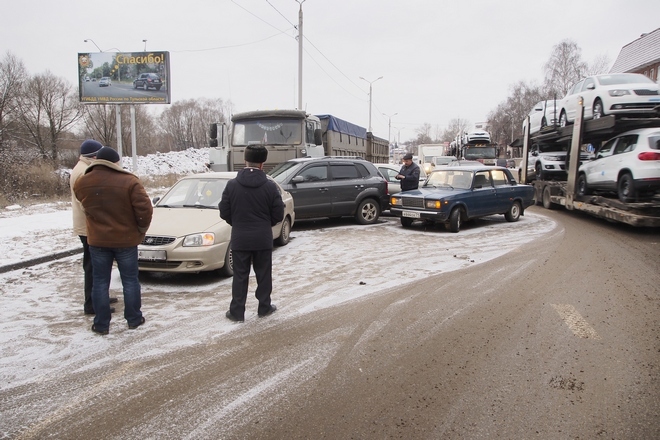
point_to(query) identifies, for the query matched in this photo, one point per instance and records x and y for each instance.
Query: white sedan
(617, 93)
(544, 113)
(628, 164)
(186, 232)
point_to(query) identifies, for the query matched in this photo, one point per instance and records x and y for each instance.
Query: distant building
(640, 56)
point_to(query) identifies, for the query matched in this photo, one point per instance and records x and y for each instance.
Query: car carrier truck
(553, 193)
(290, 134)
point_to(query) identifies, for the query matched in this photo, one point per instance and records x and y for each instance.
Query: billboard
(124, 78)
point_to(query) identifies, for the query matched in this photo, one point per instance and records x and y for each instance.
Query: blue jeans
(127, 264)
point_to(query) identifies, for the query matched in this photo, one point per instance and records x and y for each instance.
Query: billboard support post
(120, 148)
(134, 141)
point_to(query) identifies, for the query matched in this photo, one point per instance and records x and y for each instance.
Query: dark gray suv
(333, 187)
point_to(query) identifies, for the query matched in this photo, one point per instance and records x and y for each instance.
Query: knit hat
(408, 156)
(107, 153)
(255, 154)
(90, 147)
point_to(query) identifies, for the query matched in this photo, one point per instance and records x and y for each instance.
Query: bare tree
(185, 124)
(48, 107)
(505, 121)
(600, 65)
(455, 127)
(100, 123)
(564, 68)
(12, 76)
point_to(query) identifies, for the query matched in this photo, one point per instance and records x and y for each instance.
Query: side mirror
(298, 179)
(155, 200)
(318, 137)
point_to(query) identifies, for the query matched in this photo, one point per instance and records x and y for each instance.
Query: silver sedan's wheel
(285, 232)
(228, 269)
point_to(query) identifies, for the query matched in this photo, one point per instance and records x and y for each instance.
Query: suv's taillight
(649, 155)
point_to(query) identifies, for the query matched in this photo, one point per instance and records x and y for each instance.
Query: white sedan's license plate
(152, 255)
(410, 214)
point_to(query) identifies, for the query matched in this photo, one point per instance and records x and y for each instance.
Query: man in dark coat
(118, 212)
(252, 205)
(409, 174)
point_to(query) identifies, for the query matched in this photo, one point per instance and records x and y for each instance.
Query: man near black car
(409, 174)
(252, 205)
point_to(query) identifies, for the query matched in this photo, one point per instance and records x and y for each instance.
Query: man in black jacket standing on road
(409, 173)
(252, 205)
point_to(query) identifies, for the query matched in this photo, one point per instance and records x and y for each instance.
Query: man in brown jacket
(88, 150)
(118, 213)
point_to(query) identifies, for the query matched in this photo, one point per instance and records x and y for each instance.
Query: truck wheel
(455, 220)
(367, 212)
(513, 214)
(406, 222)
(626, 188)
(582, 186)
(285, 232)
(228, 269)
(547, 202)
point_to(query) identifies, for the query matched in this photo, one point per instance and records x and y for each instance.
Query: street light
(97, 46)
(389, 127)
(145, 45)
(370, 83)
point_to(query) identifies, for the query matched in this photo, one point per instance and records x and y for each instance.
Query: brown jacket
(116, 205)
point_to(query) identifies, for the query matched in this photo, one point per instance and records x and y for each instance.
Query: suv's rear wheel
(367, 212)
(626, 188)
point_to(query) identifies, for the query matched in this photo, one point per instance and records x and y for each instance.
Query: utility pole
(370, 90)
(300, 54)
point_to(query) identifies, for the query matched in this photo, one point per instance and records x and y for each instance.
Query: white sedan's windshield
(198, 193)
(608, 80)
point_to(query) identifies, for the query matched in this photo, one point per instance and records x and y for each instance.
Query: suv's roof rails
(342, 157)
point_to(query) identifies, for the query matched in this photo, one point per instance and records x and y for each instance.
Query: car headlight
(203, 239)
(396, 201)
(434, 204)
(619, 92)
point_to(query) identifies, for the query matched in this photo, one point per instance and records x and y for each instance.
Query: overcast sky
(439, 59)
